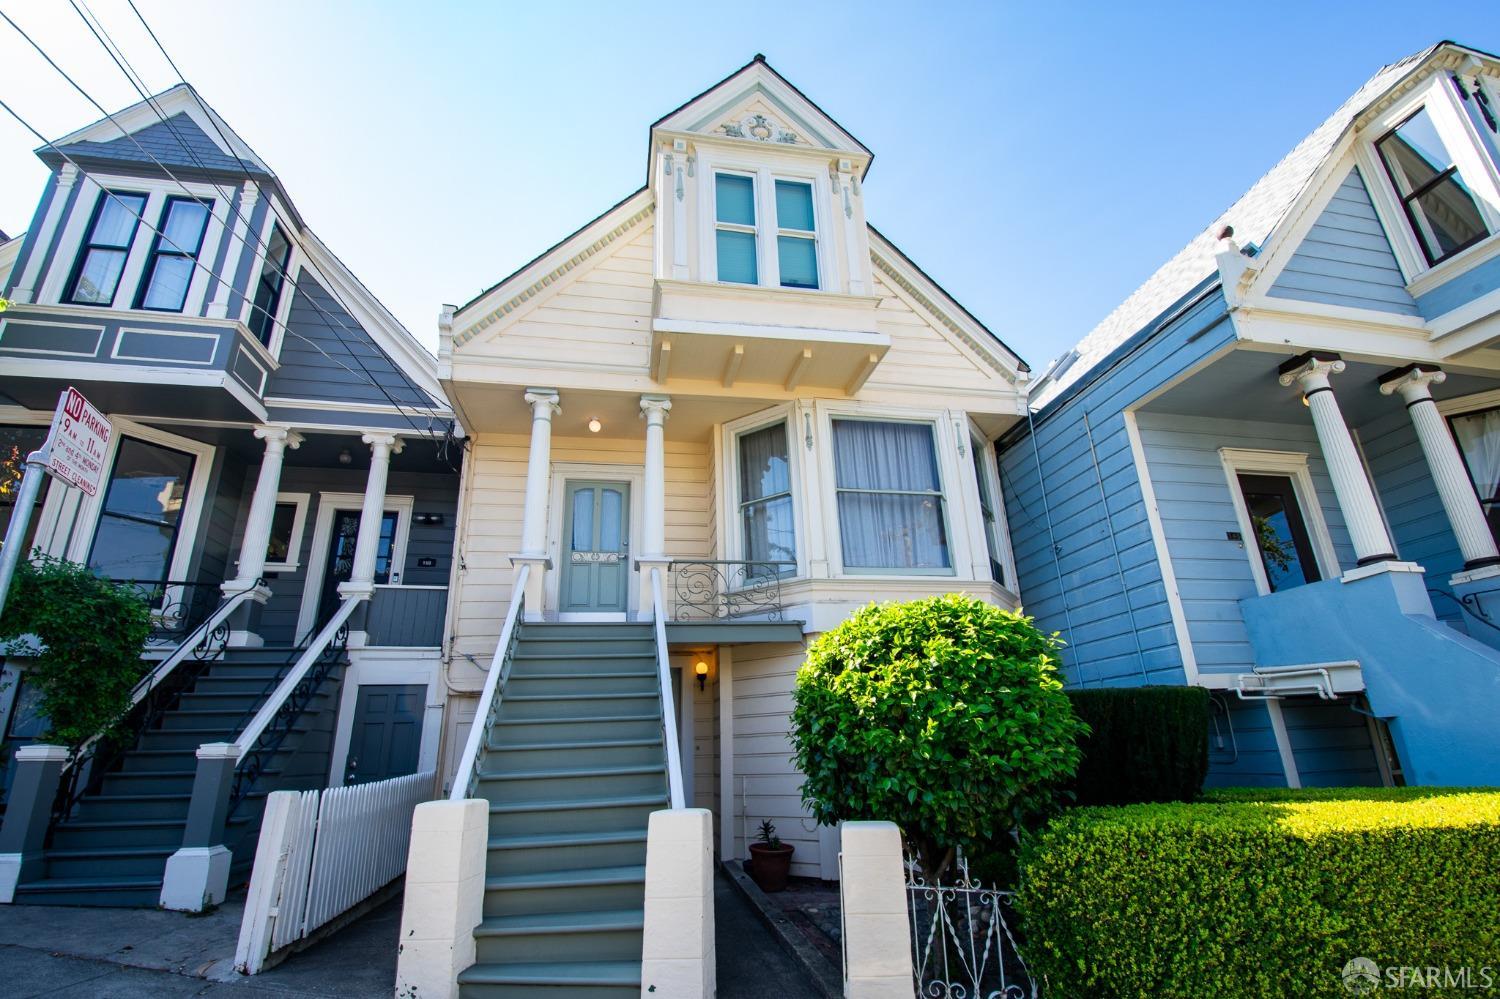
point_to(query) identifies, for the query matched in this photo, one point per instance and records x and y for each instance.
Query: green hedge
(1147, 744)
(1263, 893)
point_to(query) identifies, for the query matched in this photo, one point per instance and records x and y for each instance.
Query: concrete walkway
(126, 953)
(752, 962)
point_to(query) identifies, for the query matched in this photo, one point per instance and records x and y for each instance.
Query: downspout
(1114, 544)
(1062, 592)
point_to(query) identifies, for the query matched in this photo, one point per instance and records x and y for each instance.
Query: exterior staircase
(112, 848)
(572, 768)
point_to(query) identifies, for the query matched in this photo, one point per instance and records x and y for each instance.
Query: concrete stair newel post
(27, 815)
(445, 885)
(877, 927)
(677, 937)
(197, 875)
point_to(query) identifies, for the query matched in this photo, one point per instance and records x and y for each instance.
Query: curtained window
(766, 523)
(987, 509)
(1478, 436)
(889, 496)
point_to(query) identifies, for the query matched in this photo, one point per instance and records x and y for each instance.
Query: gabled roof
(1255, 216)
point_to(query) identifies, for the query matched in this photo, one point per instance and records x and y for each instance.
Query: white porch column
(367, 543)
(1350, 485)
(262, 506)
(544, 406)
(653, 540)
(1465, 514)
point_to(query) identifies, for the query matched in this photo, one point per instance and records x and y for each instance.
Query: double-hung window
(767, 528)
(1478, 436)
(796, 235)
(1442, 211)
(890, 497)
(101, 259)
(735, 235)
(174, 255)
(987, 509)
(268, 289)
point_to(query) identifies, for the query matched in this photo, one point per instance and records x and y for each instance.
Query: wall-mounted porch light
(701, 669)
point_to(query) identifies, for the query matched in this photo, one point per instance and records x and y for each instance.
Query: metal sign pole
(15, 533)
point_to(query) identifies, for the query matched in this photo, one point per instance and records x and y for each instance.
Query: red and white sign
(79, 442)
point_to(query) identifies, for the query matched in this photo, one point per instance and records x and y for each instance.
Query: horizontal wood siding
(920, 356)
(1082, 574)
(407, 617)
(1197, 511)
(1346, 259)
(1331, 743)
(1242, 748)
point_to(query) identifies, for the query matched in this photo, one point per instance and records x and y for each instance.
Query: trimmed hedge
(1260, 893)
(1147, 744)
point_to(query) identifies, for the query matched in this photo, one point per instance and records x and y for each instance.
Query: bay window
(890, 500)
(796, 235)
(754, 246)
(142, 509)
(987, 509)
(734, 237)
(1478, 437)
(767, 528)
(1443, 213)
(101, 259)
(174, 255)
(273, 276)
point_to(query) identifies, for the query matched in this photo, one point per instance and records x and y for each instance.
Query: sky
(1038, 160)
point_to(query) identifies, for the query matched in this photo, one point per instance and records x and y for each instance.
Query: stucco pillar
(372, 511)
(444, 896)
(262, 507)
(877, 928)
(1310, 372)
(653, 541)
(197, 875)
(28, 812)
(677, 935)
(1465, 515)
(544, 406)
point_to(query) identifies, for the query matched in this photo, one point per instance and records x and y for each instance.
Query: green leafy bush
(92, 632)
(1145, 744)
(1260, 894)
(944, 715)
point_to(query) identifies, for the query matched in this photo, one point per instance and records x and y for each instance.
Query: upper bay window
(101, 259)
(890, 498)
(174, 255)
(768, 531)
(987, 511)
(273, 277)
(1441, 210)
(740, 222)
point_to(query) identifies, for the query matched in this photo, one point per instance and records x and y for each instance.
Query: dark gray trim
(734, 632)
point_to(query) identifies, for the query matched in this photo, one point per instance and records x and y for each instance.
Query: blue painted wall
(1346, 259)
(1474, 283)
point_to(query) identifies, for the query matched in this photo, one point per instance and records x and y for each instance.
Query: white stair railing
(494, 687)
(664, 677)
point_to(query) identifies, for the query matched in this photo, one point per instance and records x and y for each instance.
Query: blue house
(1273, 471)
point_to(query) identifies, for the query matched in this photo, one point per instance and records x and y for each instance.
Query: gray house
(282, 482)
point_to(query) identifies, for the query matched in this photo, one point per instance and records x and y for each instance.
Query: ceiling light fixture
(595, 426)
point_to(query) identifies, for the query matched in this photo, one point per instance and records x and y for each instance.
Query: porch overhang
(681, 633)
(769, 336)
(1326, 680)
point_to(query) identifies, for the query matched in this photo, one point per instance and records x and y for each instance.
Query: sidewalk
(125, 953)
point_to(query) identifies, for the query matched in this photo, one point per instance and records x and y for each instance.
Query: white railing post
(664, 678)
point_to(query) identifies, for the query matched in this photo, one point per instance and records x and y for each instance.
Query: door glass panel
(583, 520)
(142, 509)
(610, 534)
(386, 547)
(1280, 532)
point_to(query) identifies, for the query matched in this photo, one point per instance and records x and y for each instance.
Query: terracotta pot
(769, 865)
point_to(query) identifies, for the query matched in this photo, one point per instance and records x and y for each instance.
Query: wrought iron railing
(177, 608)
(962, 938)
(717, 589)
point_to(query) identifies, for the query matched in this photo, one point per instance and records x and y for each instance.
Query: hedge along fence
(1262, 893)
(1144, 744)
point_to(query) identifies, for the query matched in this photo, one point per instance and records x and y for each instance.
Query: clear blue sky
(1039, 160)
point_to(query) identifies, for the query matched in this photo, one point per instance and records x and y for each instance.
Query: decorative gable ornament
(761, 128)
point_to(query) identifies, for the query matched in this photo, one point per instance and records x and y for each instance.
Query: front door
(341, 557)
(387, 732)
(596, 547)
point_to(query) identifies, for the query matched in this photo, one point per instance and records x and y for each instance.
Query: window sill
(1445, 271)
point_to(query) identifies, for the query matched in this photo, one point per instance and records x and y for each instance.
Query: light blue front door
(596, 547)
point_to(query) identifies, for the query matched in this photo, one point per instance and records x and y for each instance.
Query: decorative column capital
(67, 176)
(543, 402)
(1413, 382)
(654, 409)
(278, 438)
(389, 443)
(1310, 371)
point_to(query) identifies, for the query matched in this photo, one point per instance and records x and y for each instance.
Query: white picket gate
(320, 854)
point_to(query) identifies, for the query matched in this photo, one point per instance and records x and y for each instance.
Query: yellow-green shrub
(1256, 893)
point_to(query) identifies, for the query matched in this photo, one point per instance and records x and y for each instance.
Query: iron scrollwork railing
(177, 609)
(721, 589)
(962, 942)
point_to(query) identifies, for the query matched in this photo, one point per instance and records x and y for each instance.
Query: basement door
(596, 547)
(387, 732)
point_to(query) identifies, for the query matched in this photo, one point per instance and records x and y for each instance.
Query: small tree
(86, 635)
(944, 715)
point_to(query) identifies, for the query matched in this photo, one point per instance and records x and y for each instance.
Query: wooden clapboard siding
(1115, 634)
(1242, 748)
(1197, 511)
(1346, 259)
(407, 616)
(921, 355)
(1331, 743)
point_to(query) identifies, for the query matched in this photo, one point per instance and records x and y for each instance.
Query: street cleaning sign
(79, 442)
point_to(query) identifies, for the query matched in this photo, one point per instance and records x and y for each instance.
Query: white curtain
(1478, 435)
(890, 504)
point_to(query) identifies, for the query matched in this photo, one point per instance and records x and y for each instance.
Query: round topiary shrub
(944, 715)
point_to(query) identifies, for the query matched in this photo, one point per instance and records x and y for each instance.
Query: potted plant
(770, 859)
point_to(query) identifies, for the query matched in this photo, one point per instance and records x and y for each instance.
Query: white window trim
(1489, 399)
(562, 471)
(991, 470)
(317, 555)
(765, 170)
(157, 191)
(294, 541)
(732, 542)
(296, 267)
(948, 474)
(1293, 464)
(1473, 165)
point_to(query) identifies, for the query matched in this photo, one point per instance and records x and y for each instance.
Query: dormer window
(739, 227)
(1439, 206)
(96, 275)
(174, 255)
